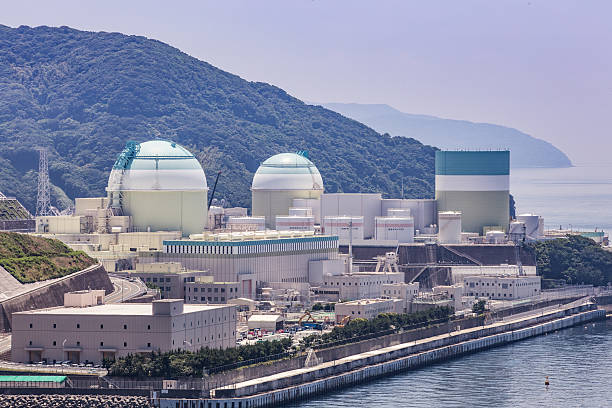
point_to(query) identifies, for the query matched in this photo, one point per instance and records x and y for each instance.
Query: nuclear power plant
(156, 213)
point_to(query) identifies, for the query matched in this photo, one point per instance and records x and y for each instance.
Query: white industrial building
(266, 322)
(367, 308)
(449, 227)
(244, 223)
(395, 228)
(533, 226)
(347, 228)
(502, 287)
(360, 285)
(92, 332)
(458, 272)
(400, 290)
(268, 259)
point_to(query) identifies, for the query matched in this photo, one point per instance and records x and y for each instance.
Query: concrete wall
(384, 362)
(94, 277)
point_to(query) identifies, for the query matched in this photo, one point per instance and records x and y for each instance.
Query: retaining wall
(388, 362)
(52, 294)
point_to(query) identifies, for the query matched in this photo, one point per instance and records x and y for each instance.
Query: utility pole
(43, 201)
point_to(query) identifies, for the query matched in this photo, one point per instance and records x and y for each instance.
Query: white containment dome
(161, 185)
(279, 180)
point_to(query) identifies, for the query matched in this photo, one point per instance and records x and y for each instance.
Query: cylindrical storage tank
(313, 203)
(398, 212)
(517, 227)
(281, 179)
(294, 223)
(496, 237)
(540, 227)
(302, 212)
(395, 228)
(246, 223)
(341, 226)
(449, 227)
(477, 184)
(161, 185)
(532, 225)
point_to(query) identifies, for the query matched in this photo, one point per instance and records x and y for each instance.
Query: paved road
(124, 290)
(50, 369)
(5, 342)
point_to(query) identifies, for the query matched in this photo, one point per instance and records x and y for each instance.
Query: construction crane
(310, 322)
(344, 321)
(213, 191)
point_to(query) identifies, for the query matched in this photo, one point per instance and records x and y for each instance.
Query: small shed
(268, 322)
(32, 381)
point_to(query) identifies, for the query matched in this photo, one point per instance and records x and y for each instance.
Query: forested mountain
(526, 150)
(84, 94)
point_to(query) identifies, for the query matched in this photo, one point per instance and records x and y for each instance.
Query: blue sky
(543, 67)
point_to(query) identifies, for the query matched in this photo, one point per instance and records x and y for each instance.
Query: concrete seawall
(351, 370)
(94, 277)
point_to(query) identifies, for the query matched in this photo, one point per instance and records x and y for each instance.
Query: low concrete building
(205, 290)
(96, 332)
(360, 285)
(170, 277)
(452, 292)
(367, 308)
(267, 322)
(406, 291)
(502, 287)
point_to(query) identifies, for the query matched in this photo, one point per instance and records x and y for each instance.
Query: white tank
(395, 228)
(449, 227)
(495, 237)
(246, 223)
(532, 225)
(517, 227)
(398, 212)
(294, 223)
(313, 203)
(341, 226)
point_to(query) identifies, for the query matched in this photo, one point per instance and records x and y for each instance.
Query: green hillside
(32, 259)
(84, 94)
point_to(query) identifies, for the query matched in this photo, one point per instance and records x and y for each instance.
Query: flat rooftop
(118, 309)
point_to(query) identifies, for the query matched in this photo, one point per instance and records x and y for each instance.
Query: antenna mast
(43, 202)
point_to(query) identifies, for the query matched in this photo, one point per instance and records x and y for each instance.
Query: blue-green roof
(32, 378)
(470, 163)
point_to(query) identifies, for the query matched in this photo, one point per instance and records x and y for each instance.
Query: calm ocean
(580, 196)
(576, 360)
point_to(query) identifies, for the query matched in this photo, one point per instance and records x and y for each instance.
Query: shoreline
(307, 382)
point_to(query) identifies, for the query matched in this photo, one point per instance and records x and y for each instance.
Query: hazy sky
(543, 67)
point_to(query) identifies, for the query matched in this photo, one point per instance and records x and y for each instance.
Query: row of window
(370, 283)
(78, 326)
(210, 290)
(249, 249)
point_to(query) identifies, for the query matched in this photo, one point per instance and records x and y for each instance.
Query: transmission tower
(43, 202)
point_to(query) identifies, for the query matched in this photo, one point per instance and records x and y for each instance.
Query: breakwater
(302, 383)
